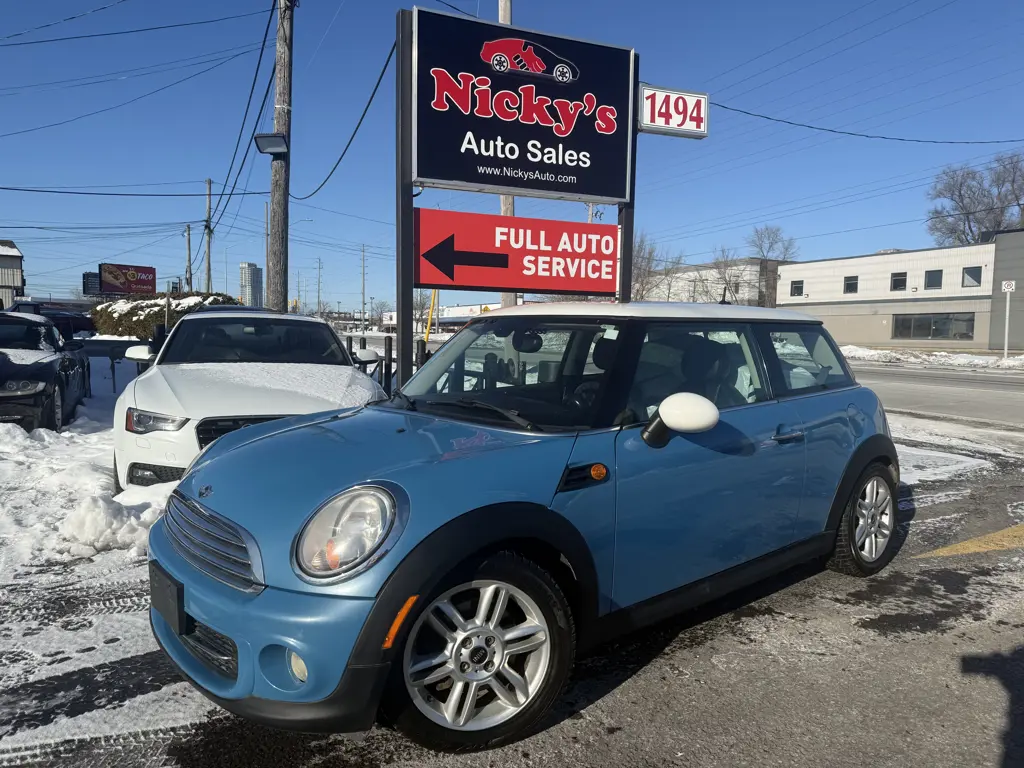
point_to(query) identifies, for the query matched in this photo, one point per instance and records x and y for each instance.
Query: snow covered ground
(942, 359)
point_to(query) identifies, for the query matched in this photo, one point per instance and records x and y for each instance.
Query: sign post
(1009, 286)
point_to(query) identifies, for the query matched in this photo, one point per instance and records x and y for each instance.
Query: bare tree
(378, 308)
(729, 275)
(973, 201)
(420, 307)
(771, 247)
(76, 293)
(653, 269)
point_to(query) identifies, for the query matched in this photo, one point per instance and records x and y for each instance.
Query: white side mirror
(683, 412)
(140, 353)
(368, 356)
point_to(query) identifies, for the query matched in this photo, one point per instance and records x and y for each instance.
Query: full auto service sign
(505, 253)
(501, 109)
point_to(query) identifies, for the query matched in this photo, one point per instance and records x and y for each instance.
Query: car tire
(54, 417)
(541, 673)
(871, 509)
(117, 480)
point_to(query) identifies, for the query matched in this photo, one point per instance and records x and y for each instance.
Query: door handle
(788, 437)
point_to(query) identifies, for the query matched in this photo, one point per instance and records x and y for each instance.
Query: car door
(704, 502)
(807, 371)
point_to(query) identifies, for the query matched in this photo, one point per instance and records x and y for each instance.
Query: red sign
(122, 278)
(472, 251)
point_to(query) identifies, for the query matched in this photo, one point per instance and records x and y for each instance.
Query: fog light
(298, 666)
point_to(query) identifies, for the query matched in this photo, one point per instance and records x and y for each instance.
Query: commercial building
(749, 281)
(250, 282)
(939, 298)
(12, 273)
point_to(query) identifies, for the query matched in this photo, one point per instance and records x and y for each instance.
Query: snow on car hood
(26, 356)
(201, 390)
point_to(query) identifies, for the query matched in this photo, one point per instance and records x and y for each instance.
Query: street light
(271, 143)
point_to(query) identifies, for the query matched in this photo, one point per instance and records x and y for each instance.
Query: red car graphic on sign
(514, 55)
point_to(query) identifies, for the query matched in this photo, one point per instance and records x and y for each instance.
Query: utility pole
(590, 213)
(363, 313)
(188, 257)
(277, 255)
(508, 203)
(319, 267)
(266, 234)
(209, 234)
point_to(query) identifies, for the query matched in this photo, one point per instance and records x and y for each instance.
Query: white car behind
(221, 370)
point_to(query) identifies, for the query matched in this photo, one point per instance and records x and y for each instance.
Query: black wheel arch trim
(874, 448)
(480, 530)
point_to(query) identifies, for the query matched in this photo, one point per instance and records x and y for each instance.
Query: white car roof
(243, 315)
(659, 310)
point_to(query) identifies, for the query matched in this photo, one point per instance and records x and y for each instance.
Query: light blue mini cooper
(553, 475)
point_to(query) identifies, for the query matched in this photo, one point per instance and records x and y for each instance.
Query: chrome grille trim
(212, 648)
(211, 544)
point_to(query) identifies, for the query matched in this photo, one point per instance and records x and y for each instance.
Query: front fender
(482, 530)
(877, 447)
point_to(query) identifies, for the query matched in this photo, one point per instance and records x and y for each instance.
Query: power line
(59, 191)
(65, 19)
(92, 261)
(861, 135)
(326, 33)
(355, 130)
(124, 103)
(248, 105)
(132, 31)
(456, 8)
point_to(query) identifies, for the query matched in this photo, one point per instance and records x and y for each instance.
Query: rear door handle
(788, 437)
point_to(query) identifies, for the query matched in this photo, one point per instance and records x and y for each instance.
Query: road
(996, 396)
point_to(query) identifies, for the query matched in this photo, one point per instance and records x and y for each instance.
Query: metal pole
(319, 267)
(404, 208)
(508, 202)
(362, 314)
(385, 376)
(209, 234)
(1006, 328)
(277, 258)
(188, 257)
(626, 209)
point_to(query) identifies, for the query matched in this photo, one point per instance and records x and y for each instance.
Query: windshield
(553, 373)
(253, 340)
(15, 335)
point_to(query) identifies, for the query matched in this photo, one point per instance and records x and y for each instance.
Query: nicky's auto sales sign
(502, 109)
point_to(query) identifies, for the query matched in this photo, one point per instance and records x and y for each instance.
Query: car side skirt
(634, 617)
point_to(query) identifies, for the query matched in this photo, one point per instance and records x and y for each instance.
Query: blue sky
(940, 69)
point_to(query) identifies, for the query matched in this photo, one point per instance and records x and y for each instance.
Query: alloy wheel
(477, 656)
(500, 63)
(874, 519)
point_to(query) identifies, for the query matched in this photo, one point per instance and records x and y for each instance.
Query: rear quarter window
(803, 359)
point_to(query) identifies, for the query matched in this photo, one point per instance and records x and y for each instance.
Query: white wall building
(935, 297)
(251, 284)
(12, 273)
(750, 282)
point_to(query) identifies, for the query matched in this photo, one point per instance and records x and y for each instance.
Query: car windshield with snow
(554, 474)
(218, 372)
(43, 378)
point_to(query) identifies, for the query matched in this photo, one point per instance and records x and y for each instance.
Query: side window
(715, 361)
(807, 361)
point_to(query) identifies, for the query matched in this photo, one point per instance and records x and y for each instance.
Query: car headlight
(345, 531)
(16, 388)
(140, 422)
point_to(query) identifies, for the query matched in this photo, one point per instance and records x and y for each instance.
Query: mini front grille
(151, 474)
(209, 430)
(212, 648)
(210, 544)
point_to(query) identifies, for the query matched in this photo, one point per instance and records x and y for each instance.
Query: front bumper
(169, 452)
(27, 413)
(337, 697)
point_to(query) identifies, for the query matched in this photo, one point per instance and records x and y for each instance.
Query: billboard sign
(123, 278)
(472, 251)
(90, 283)
(503, 109)
(675, 113)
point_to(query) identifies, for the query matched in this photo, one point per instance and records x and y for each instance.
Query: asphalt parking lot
(922, 665)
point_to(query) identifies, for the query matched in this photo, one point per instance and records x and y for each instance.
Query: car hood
(201, 390)
(273, 477)
(23, 363)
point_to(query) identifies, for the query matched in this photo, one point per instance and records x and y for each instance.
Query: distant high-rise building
(251, 282)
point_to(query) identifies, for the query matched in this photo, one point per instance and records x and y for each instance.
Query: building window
(972, 277)
(932, 279)
(796, 288)
(898, 281)
(850, 284)
(957, 326)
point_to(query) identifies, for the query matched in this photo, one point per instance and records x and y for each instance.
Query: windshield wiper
(512, 416)
(410, 404)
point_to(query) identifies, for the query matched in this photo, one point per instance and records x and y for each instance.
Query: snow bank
(919, 465)
(143, 307)
(102, 522)
(948, 359)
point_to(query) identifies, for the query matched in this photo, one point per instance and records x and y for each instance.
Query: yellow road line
(1008, 538)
